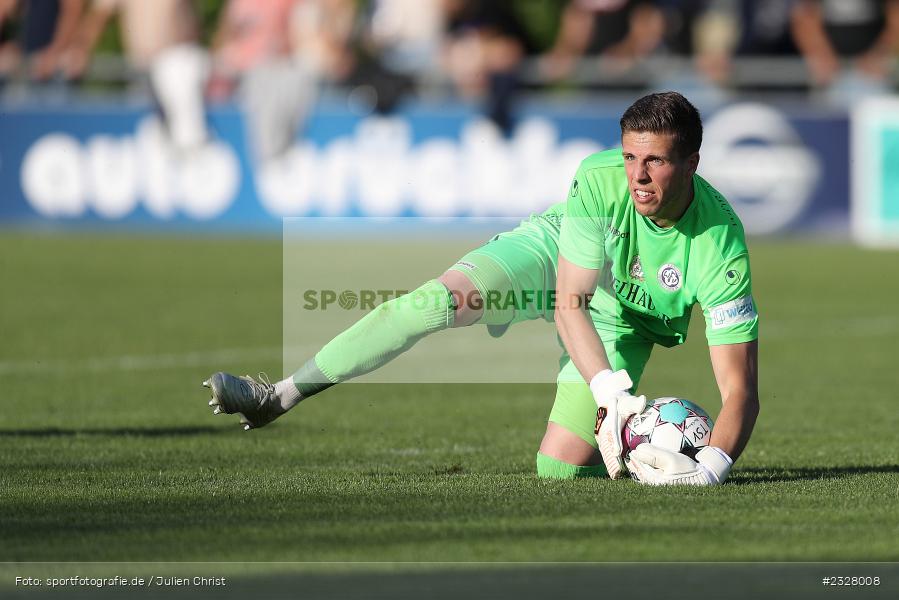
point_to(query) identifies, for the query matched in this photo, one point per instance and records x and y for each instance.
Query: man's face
(660, 181)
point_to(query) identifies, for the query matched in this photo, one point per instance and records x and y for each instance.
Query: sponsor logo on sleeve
(733, 312)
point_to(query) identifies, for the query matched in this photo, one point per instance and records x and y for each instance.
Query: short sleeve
(582, 236)
(730, 311)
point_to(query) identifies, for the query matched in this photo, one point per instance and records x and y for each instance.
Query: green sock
(553, 468)
(380, 336)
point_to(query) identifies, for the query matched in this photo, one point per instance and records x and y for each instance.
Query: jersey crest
(670, 277)
(636, 269)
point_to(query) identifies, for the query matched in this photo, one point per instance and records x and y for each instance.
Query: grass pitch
(108, 451)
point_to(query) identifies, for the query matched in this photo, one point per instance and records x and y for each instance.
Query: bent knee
(467, 299)
(565, 455)
(561, 442)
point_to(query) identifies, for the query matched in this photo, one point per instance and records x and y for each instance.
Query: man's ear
(693, 162)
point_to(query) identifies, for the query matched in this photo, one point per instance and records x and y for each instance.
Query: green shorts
(574, 407)
(515, 274)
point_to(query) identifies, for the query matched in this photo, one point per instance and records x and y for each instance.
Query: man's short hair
(666, 112)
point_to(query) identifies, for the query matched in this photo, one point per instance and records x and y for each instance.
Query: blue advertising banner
(103, 166)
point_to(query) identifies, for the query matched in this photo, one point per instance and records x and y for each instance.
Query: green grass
(108, 451)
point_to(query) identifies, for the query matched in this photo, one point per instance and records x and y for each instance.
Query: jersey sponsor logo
(633, 294)
(636, 270)
(670, 277)
(617, 233)
(733, 312)
(467, 265)
(733, 277)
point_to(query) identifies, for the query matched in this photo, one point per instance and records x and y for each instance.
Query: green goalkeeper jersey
(651, 277)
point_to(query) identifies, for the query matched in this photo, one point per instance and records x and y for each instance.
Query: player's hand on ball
(615, 405)
(651, 465)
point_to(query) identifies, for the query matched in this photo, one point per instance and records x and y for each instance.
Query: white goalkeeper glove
(615, 405)
(651, 465)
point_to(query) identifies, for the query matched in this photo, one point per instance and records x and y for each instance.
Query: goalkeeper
(618, 266)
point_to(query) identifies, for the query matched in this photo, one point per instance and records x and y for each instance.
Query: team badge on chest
(636, 269)
(670, 277)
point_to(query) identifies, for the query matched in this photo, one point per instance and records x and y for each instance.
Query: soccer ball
(671, 423)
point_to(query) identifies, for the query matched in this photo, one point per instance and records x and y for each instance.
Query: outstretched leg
(390, 329)
(520, 263)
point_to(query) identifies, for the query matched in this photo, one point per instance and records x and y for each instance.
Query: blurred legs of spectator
(503, 87)
(406, 36)
(486, 66)
(714, 38)
(834, 35)
(10, 52)
(10, 58)
(276, 96)
(49, 29)
(178, 77)
(377, 88)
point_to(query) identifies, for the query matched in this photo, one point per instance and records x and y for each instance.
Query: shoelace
(265, 383)
(264, 380)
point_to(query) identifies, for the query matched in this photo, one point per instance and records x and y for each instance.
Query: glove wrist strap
(723, 455)
(608, 382)
(715, 463)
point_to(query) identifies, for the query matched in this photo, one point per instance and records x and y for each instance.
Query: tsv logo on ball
(670, 277)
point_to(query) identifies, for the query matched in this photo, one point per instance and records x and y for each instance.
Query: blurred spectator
(623, 31)
(9, 49)
(742, 28)
(485, 46)
(249, 34)
(46, 28)
(277, 54)
(765, 28)
(253, 56)
(407, 34)
(329, 38)
(681, 20)
(703, 33)
(862, 33)
(160, 38)
(49, 26)
(322, 35)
